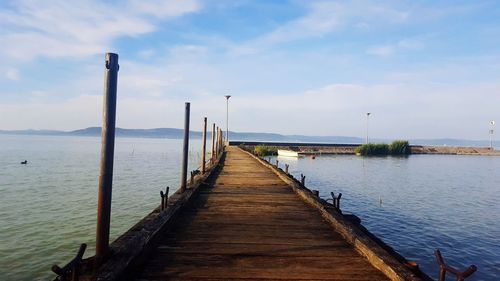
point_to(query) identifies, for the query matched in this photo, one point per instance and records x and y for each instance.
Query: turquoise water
(48, 207)
(428, 201)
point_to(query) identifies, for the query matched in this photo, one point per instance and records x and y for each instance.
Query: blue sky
(425, 69)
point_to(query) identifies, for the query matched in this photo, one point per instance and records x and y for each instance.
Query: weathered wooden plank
(223, 266)
(328, 249)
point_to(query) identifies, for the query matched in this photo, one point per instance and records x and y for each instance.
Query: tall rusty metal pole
(213, 142)
(185, 149)
(107, 155)
(204, 146)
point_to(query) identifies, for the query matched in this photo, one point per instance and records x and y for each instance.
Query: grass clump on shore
(264, 150)
(398, 147)
(373, 149)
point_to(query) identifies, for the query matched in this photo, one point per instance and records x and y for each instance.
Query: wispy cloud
(12, 74)
(410, 44)
(323, 18)
(79, 28)
(382, 51)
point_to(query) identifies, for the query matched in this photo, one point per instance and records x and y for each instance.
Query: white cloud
(146, 54)
(399, 111)
(79, 28)
(323, 18)
(409, 44)
(12, 74)
(77, 112)
(382, 51)
(165, 8)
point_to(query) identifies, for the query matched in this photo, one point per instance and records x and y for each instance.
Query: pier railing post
(221, 140)
(213, 143)
(107, 155)
(185, 148)
(204, 146)
(216, 142)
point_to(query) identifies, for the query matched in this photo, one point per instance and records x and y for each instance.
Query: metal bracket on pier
(335, 200)
(164, 199)
(193, 174)
(302, 179)
(443, 268)
(72, 268)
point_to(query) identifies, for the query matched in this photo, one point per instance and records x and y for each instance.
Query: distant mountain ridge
(173, 133)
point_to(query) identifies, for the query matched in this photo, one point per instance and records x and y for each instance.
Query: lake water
(48, 207)
(448, 202)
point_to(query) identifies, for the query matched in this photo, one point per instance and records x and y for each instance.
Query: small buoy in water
(313, 156)
(24, 162)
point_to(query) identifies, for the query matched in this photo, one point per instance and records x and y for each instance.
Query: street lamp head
(227, 96)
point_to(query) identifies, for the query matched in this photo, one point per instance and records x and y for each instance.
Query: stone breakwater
(454, 150)
(317, 149)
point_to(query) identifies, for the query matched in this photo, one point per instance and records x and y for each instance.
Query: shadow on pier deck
(251, 225)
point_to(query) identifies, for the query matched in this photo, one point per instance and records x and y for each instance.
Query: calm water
(428, 201)
(48, 207)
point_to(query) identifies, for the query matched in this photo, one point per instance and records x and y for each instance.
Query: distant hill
(173, 133)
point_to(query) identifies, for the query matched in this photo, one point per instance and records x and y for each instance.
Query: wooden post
(185, 148)
(213, 143)
(107, 155)
(166, 196)
(162, 200)
(204, 146)
(277, 163)
(303, 179)
(286, 168)
(217, 142)
(220, 140)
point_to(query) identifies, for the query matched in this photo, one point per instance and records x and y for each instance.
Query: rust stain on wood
(251, 225)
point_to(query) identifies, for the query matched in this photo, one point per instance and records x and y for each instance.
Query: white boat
(288, 153)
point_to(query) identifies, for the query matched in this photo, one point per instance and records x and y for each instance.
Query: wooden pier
(251, 225)
(237, 218)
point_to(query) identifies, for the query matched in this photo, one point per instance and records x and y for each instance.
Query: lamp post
(492, 130)
(367, 118)
(227, 118)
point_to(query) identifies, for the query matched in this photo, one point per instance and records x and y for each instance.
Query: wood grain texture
(250, 225)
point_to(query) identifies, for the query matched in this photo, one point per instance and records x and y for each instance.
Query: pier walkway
(250, 225)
